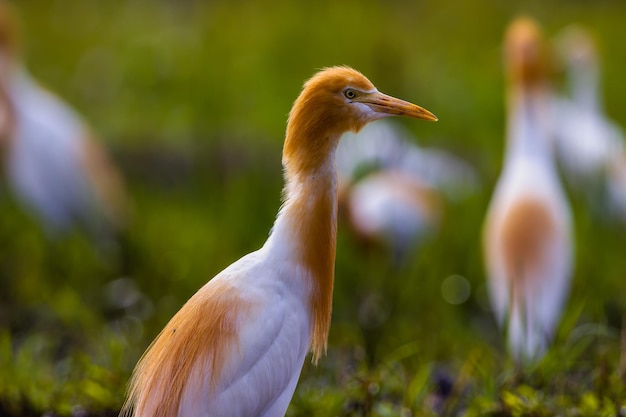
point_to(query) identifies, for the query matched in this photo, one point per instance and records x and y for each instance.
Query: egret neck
(307, 225)
(528, 125)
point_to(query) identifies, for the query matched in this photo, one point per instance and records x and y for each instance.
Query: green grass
(192, 98)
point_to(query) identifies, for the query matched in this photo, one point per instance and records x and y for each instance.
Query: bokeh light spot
(455, 289)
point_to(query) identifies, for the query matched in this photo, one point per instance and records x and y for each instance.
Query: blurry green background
(191, 98)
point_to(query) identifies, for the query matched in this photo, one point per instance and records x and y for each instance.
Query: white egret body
(238, 345)
(527, 235)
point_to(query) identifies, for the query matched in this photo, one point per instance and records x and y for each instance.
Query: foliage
(192, 99)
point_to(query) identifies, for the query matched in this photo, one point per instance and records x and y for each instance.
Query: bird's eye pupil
(349, 93)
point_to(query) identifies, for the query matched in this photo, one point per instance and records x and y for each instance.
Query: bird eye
(349, 93)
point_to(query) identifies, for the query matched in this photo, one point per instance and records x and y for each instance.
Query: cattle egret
(238, 345)
(52, 162)
(587, 140)
(392, 208)
(527, 236)
(391, 190)
(590, 145)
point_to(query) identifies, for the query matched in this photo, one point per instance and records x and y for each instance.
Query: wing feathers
(196, 342)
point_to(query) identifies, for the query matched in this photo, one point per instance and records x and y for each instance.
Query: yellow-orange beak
(382, 103)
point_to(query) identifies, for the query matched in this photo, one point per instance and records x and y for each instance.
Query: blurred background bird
(527, 233)
(590, 145)
(392, 192)
(238, 345)
(52, 160)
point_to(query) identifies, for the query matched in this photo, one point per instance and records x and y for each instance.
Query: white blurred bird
(590, 145)
(392, 208)
(392, 190)
(527, 233)
(51, 160)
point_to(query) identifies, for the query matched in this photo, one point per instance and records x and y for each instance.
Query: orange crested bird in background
(51, 160)
(527, 234)
(237, 346)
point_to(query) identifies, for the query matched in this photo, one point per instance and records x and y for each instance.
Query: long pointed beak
(388, 105)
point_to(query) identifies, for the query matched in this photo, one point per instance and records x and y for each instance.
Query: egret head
(578, 48)
(334, 101)
(344, 99)
(525, 55)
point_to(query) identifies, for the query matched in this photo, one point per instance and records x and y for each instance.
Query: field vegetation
(191, 98)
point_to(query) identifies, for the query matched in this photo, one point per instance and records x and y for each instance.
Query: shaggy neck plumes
(308, 220)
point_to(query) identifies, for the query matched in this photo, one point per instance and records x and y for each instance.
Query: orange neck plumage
(311, 210)
(316, 123)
